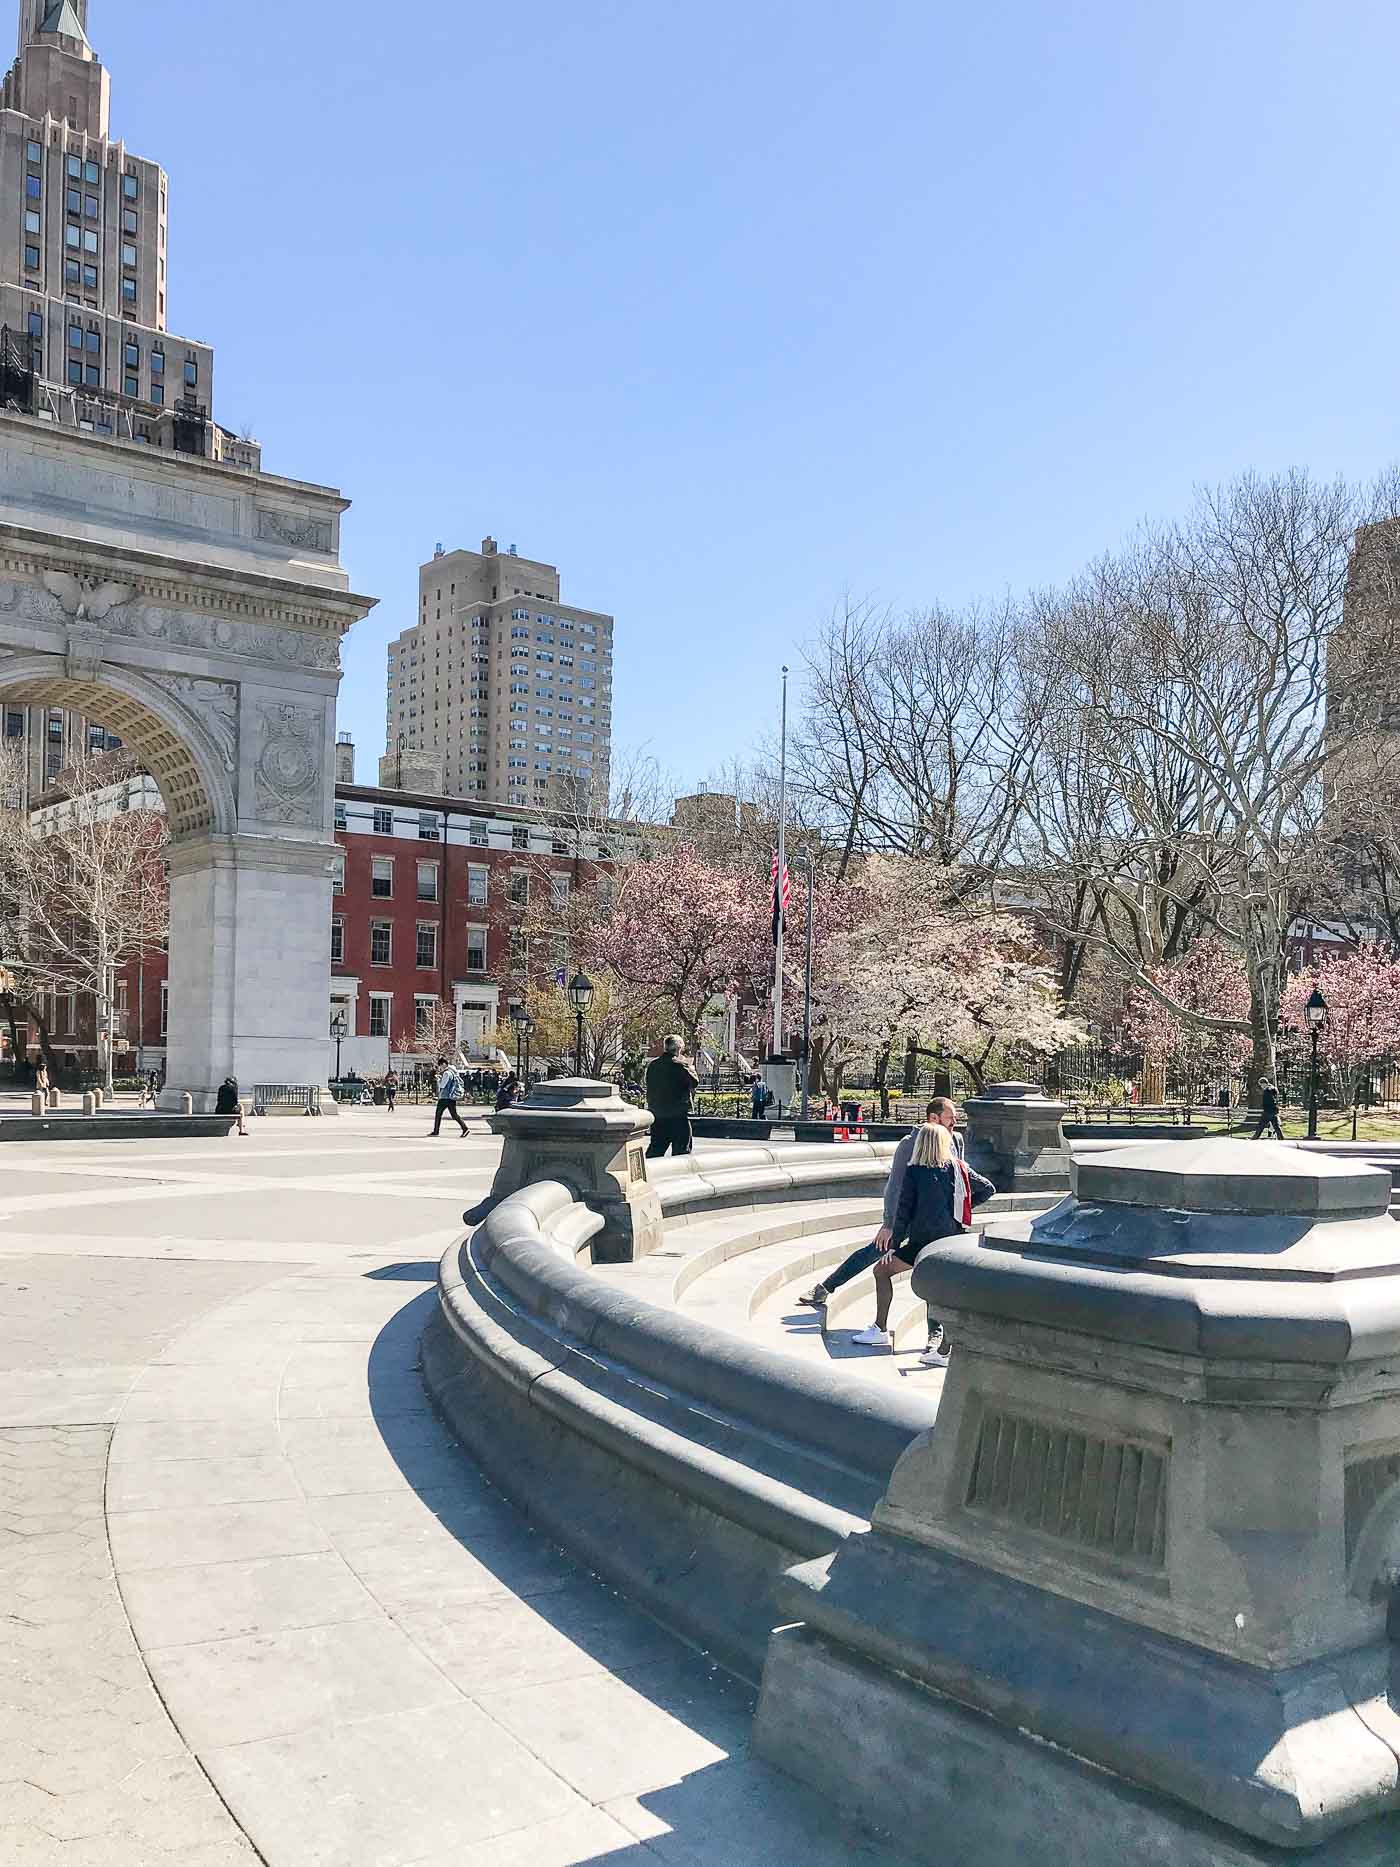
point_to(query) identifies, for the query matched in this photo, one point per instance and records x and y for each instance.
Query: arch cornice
(43, 680)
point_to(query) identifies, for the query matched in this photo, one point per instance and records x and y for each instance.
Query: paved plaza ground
(257, 1604)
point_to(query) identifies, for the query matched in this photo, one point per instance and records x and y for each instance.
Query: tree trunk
(1263, 1061)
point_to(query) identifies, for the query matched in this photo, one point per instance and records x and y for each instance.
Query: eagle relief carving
(289, 767)
(87, 599)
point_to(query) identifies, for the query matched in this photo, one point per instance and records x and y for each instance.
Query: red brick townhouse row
(427, 900)
(426, 909)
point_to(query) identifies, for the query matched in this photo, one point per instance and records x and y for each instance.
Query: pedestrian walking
(760, 1096)
(391, 1091)
(149, 1090)
(671, 1086)
(892, 1248)
(226, 1102)
(1268, 1111)
(449, 1088)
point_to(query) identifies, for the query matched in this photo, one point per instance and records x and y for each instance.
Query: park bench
(286, 1099)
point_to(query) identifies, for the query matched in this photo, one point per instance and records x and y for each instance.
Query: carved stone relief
(290, 528)
(290, 763)
(214, 704)
(259, 641)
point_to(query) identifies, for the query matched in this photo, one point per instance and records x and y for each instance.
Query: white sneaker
(933, 1358)
(873, 1338)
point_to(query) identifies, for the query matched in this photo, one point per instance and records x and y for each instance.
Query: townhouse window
(381, 943)
(429, 827)
(520, 837)
(383, 821)
(427, 881)
(338, 940)
(381, 877)
(559, 891)
(476, 949)
(380, 1005)
(338, 875)
(477, 835)
(519, 889)
(340, 818)
(427, 944)
(423, 1009)
(478, 887)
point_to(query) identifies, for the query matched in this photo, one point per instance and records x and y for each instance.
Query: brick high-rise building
(503, 685)
(84, 340)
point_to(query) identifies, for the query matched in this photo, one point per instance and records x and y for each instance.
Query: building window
(478, 887)
(128, 291)
(379, 1008)
(429, 827)
(381, 881)
(427, 881)
(92, 173)
(338, 940)
(36, 324)
(131, 385)
(519, 889)
(476, 949)
(191, 373)
(383, 821)
(520, 837)
(158, 394)
(427, 944)
(75, 371)
(338, 874)
(477, 835)
(91, 209)
(33, 187)
(340, 820)
(31, 258)
(131, 187)
(131, 355)
(130, 224)
(157, 363)
(559, 891)
(34, 152)
(381, 943)
(164, 1009)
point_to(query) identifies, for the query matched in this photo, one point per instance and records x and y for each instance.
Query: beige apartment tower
(501, 684)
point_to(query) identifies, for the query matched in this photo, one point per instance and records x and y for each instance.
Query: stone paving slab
(365, 1657)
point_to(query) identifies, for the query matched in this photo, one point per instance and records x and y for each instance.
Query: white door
(471, 1027)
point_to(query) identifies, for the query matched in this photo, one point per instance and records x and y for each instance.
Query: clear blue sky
(728, 308)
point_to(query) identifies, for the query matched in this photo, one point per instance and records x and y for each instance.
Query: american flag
(781, 897)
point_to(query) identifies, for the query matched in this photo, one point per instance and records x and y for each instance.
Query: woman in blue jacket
(935, 1201)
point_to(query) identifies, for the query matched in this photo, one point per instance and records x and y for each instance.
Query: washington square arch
(196, 608)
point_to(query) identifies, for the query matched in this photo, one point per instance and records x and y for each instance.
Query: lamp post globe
(1316, 1012)
(581, 993)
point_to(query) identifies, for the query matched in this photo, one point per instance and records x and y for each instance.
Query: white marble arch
(197, 611)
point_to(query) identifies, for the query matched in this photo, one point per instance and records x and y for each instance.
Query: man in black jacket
(671, 1086)
(1268, 1111)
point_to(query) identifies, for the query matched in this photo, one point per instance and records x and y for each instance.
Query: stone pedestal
(1129, 1599)
(586, 1136)
(1013, 1137)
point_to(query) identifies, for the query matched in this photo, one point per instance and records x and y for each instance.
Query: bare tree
(918, 737)
(1185, 780)
(82, 889)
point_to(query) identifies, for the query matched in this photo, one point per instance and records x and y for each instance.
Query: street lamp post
(527, 1031)
(805, 857)
(339, 1031)
(581, 993)
(1316, 1009)
(517, 1018)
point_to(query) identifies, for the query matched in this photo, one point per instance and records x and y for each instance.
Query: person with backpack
(449, 1088)
(762, 1095)
(1268, 1111)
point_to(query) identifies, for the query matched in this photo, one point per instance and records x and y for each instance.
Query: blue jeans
(865, 1258)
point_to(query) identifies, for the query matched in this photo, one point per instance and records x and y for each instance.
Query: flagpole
(782, 871)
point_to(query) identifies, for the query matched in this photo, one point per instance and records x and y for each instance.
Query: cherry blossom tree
(1194, 1025)
(919, 965)
(1362, 990)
